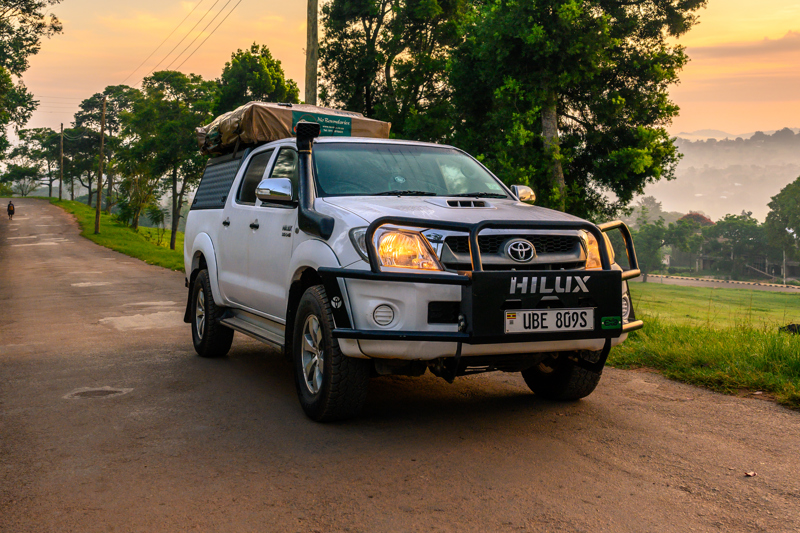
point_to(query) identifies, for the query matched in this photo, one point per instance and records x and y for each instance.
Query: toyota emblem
(520, 251)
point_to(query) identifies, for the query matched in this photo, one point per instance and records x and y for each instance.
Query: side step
(261, 329)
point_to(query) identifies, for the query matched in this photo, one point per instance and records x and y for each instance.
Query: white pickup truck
(368, 257)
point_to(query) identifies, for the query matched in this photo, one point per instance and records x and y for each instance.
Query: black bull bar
(484, 294)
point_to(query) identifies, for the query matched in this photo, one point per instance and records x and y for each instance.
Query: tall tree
(119, 99)
(388, 60)
(23, 24)
(253, 75)
(163, 123)
(570, 96)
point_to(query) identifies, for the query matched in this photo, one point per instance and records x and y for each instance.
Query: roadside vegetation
(151, 245)
(723, 339)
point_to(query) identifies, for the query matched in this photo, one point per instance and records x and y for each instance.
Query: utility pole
(100, 174)
(312, 53)
(61, 164)
(784, 266)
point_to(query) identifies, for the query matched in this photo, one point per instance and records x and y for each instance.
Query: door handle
(226, 222)
(254, 224)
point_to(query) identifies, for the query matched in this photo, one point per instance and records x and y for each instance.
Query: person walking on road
(10, 210)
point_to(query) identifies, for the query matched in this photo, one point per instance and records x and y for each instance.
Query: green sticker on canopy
(332, 125)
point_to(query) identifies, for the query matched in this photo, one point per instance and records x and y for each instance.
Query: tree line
(734, 241)
(150, 147)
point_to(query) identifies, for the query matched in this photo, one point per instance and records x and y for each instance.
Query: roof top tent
(261, 122)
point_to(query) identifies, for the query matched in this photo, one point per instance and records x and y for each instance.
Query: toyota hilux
(365, 257)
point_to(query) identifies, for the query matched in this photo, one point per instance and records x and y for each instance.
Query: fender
(202, 244)
(311, 253)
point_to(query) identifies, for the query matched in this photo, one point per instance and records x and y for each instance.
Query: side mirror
(275, 190)
(524, 193)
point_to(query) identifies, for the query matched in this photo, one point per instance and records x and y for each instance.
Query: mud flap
(601, 361)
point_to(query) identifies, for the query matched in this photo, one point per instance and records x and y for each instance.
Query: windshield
(370, 169)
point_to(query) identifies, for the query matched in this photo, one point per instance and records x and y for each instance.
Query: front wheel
(210, 338)
(330, 385)
(560, 378)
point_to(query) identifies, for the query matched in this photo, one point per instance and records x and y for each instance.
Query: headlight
(406, 249)
(593, 251)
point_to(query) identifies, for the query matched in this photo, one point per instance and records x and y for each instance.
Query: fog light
(383, 315)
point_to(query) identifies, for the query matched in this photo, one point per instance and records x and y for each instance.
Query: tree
(783, 220)
(738, 237)
(253, 75)
(23, 24)
(163, 121)
(40, 146)
(570, 96)
(653, 237)
(119, 99)
(16, 106)
(388, 60)
(23, 179)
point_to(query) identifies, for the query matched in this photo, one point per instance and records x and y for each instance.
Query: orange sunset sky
(744, 73)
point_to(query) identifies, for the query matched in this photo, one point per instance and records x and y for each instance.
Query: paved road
(719, 284)
(222, 445)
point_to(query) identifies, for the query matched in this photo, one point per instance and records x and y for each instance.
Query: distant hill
(702, 135)
(718, 177)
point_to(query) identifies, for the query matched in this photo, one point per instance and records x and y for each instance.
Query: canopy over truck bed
(262, 122)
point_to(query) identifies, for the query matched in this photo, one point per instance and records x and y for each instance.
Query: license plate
(549, 320)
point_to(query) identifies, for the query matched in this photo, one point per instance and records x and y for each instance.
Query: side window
(252, 177)
(286, 167)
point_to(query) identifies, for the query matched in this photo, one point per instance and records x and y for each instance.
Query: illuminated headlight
(593, 261)
(406, 249)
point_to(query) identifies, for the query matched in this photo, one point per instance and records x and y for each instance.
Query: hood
(439, 208)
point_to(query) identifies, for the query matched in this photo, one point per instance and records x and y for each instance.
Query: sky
(744, 73)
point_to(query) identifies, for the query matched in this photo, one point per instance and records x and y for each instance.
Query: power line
(179, 42)
(199, 34)
(162, 42)
(204, 40)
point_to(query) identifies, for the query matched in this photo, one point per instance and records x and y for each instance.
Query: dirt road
(222, 445)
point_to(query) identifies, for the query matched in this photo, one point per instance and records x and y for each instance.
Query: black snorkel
(309, 220)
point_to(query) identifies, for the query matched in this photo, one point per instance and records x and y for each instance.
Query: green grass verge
(141, 244)
(727, 360)
(724, 339)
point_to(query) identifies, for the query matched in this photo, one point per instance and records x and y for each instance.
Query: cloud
(789, 43)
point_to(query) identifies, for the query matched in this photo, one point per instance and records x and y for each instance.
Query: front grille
(493, 244)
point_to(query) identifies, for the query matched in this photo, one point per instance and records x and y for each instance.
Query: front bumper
(482, 297)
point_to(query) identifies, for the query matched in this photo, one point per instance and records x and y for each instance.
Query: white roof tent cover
(262, 122)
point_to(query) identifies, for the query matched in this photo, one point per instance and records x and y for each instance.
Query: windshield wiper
(480, 195)
(405, 193)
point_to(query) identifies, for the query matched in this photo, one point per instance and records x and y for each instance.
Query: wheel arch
(203, 256)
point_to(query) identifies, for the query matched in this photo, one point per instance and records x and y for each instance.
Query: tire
(210, 338)
(336, 389)
(560, 378)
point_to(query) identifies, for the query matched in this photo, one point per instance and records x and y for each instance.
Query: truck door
(239, 223)
(271, 246)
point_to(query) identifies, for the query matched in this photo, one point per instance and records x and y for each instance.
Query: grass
(724, 339)
(726, 360)
(141, 244)
(716, 308)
